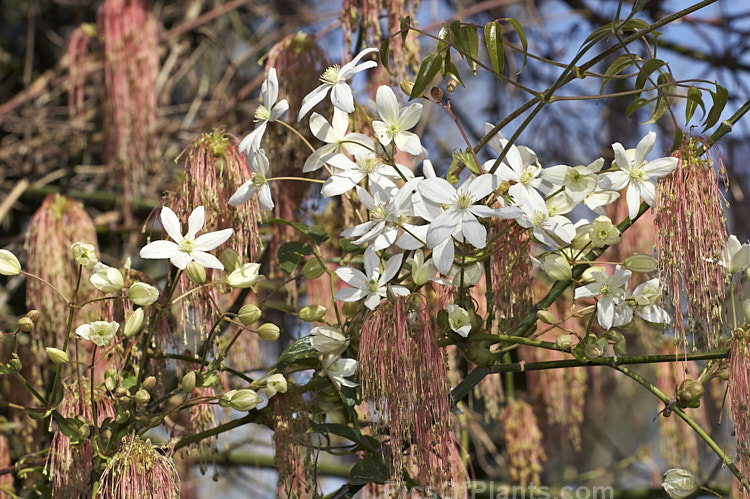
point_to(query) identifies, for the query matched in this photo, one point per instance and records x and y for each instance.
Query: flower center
(526, 178)
(637, 174)
(262, 113)
(379, 213)
(259, 180)
(373, 286)
(463, 200)
(369, 164)
(331, 75)
(394, 129)
(187, 245)
(539, 218)
(606, 290)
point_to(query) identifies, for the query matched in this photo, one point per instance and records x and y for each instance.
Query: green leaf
(371, 469)
(648, 67)
(346, 432)
(290, 253)
(315, 234)
(719, 101)
(470, 39)
(405, 23)
(522, 37)
(443, 37)
(694, 99)
(450, 70)
(384, 48)
(467, 159)
(638, 6)
(493, 38)
(618, 65)
(599, 33)
(665, 98)
(427, 71)
(348, 247)
(635, 105)
(298, 356)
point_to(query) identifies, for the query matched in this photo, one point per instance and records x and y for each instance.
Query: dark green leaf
(315, 234)
(346, 432)
(427, 71)
(290, 253)
(405, 23)
(450, 70)
(443, 37)
(719, 101)
(694, 99)
(617, 66)
(470, 39)
(666, 96)
(493, 38)
(522, 37)
(635, 105)
(648, 67)
(384, 48)
(371, 469)
(347, 246)
(639, 5)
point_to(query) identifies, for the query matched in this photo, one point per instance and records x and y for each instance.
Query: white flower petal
(243, 193)
(312, 99)
(207, 260)
(159, 249)
(387, 104)
(211, 240)
(195, 222)
(180, 259)
(171, 224)
(341, 97)
(409, 142)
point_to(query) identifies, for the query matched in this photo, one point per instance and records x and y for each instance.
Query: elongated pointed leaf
(471, 41)
(318, 236)
(405, 23)
(617, 66)
(427, 71)
(384, 48)
(450, 70)
(719, 101)
(493, 38)
(635, 105)
(694, 99)
(666, 96)
(290, 253)
(648, 67)
(522, 37)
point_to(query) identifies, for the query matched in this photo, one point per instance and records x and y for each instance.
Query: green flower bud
(679, 483)
(84, 254)
(276, 383)
(57, 356)
(249, 314)
(149, 382)
(196, 272)
(134, 323)
(142, 397)
(106, 278)
(313, 269)
(268, 332)
(143, 294)
(557, 267)
(481, 356)
(245, 400)
(188, 382)
(9, 264)
(546, 317)
(406, 87)
(15, 363)
(225, 400)
(33, 315)
(84, 431)
(230, 259)
(593, 351)
(689, 393)
(564, 341)
(25, 324)
(644, 264)
(312, 313)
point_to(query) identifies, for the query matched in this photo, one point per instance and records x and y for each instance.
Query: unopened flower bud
(225, 400)
(746, 309)
(546, 316)
(149, 382)
(436, 93)
(109, 383)
(196, 272)
(121, 392)
(231, 259)
(143, 294)
(25, 324)
(679, 483)
(249, 314)
(312, 313)
(106, 279)
(268, 332)
(84, 431)
(9, 264)
(142, 397)
(245, 276)
(689, 393)
(407, 87)
(350, 309)
(593, 351)
(33, 315)
(481, 356)
(245, 400)
(134, 323)
(313, 269)
(644, 264)
(564, 341)
(451, 85)
(188, 382)
(557, 267)
(57, 356)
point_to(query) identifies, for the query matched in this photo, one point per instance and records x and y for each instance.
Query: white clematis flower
(349, 173)
(736, 256)
(459, 320)
(338, 370)
(106, 278)
(612, 291)
(372, 285)
(187, 248)
(269, 110)
(395, 122)
(334, 79)
(337, 139)
(259, 166)
(100, 333)
(635, 173)
(328, 340)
